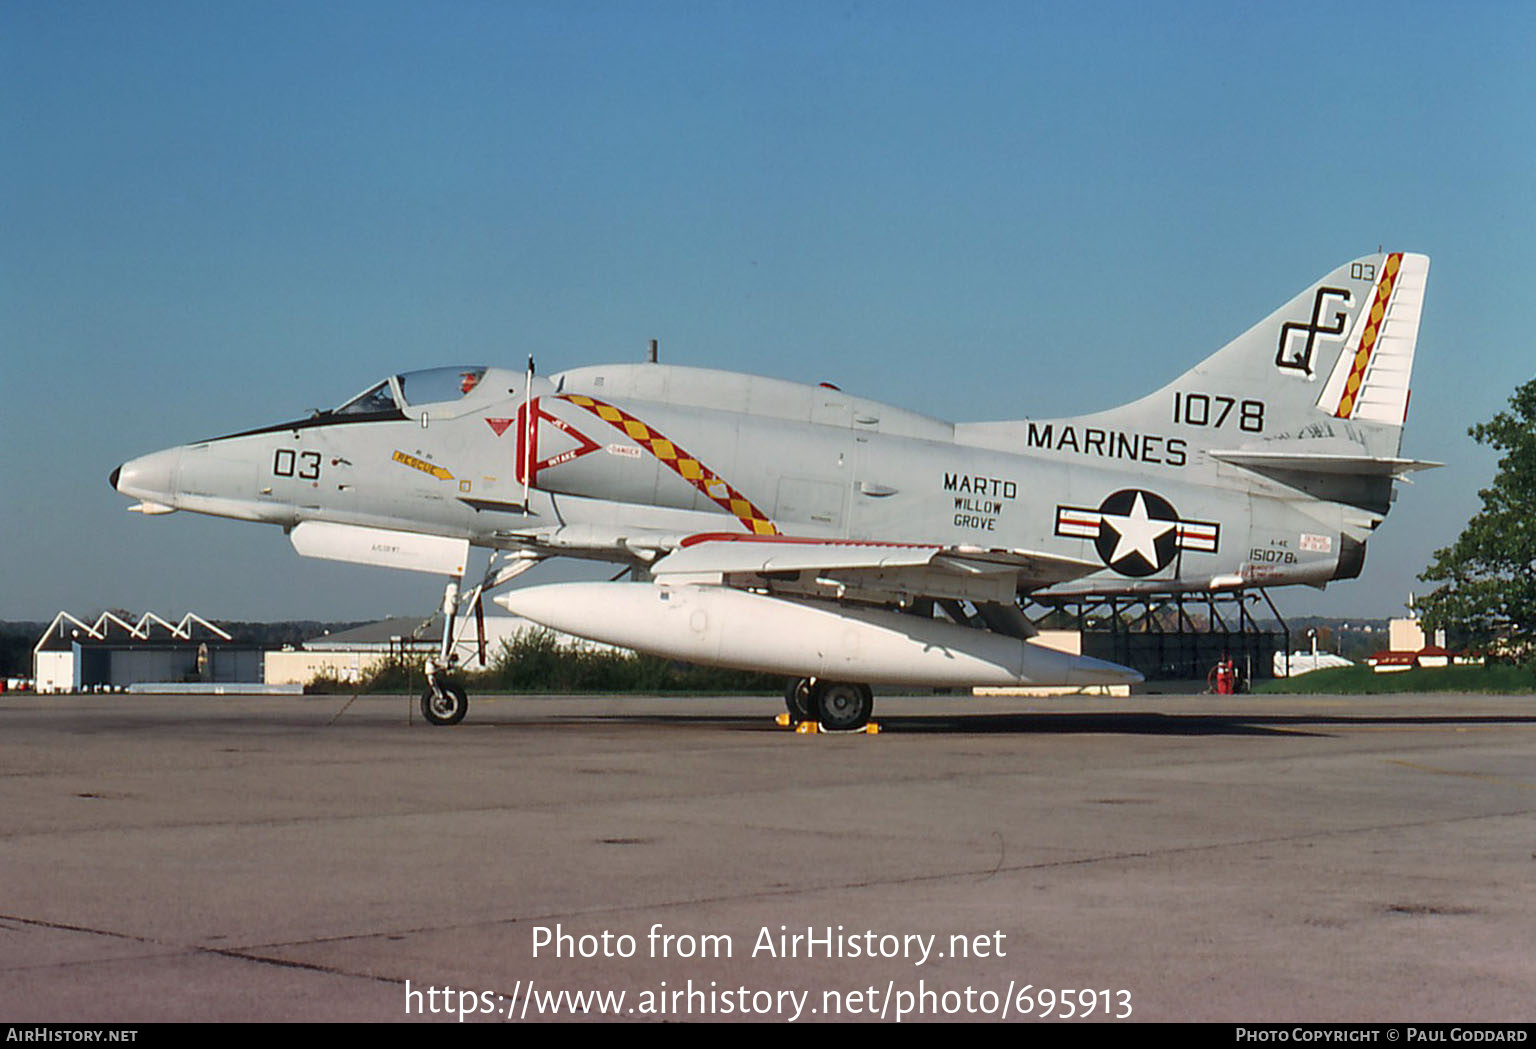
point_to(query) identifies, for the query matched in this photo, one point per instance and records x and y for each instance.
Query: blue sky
(214, 216)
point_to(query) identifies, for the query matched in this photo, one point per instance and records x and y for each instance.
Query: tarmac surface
(1173, 857)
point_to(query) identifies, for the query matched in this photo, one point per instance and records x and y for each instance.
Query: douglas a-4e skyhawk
(796, 529)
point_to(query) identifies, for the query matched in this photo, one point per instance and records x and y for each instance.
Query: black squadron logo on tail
(1301, 360)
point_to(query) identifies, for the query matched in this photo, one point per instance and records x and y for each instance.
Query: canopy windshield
(436, 385)
(377, 399)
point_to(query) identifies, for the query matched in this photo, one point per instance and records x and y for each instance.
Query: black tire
(446, 709)
(797, 699)
(842, 706)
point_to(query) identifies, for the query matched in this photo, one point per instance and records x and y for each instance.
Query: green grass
(1362, 680)
(536, 662)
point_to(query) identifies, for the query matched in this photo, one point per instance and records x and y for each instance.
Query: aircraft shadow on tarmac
(1107, 723)
(1152, 724)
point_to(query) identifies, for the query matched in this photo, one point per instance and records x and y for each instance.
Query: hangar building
(76, 656)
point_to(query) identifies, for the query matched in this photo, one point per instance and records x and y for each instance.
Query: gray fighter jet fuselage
(810, 512)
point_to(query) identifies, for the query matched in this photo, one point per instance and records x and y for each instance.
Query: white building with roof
(116, 651)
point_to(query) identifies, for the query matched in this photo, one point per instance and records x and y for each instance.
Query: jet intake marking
(679, 462)
(1136, 532)
(528, 443)
(422, 465)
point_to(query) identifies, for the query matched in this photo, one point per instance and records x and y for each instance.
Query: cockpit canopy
(428, 386)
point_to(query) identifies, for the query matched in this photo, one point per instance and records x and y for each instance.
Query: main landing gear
(839, 706)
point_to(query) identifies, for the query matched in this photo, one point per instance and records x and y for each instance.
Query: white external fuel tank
(721, 626)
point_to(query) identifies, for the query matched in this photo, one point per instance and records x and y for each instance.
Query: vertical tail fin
(1332, 366)
(1329, 368)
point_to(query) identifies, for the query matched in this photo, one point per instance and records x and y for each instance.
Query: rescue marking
(422, 465)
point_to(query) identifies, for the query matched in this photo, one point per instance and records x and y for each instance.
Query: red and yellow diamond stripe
(680, 462)
(1368, 338)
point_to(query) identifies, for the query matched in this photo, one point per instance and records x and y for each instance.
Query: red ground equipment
(1223, 678)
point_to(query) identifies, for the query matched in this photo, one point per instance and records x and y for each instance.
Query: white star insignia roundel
(1137, 532)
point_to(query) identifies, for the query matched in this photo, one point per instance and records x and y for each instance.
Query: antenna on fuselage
(655, 351)
(529, 426)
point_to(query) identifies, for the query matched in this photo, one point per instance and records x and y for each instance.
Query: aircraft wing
(868, 571)
(856, 570)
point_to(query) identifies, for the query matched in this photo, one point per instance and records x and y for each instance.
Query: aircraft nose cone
(151, 477)
(113, 479)
(546, 605)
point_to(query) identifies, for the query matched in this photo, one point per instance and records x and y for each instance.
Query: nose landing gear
(444, 702)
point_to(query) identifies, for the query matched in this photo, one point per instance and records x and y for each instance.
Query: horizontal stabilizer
(1326, 463)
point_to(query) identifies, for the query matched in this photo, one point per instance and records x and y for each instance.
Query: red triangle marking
(499, 425)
